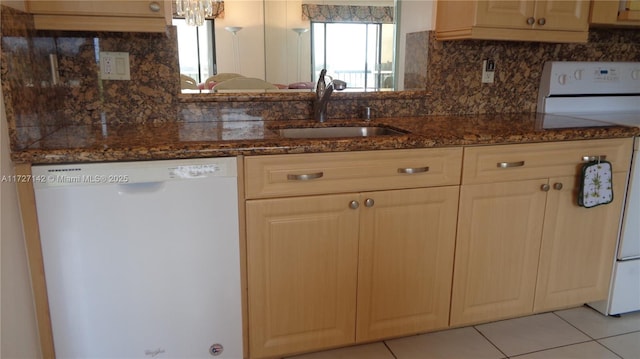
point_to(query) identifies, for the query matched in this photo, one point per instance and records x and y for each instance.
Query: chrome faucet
(323, 92)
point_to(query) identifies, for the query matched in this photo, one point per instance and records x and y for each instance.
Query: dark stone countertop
(193, 139)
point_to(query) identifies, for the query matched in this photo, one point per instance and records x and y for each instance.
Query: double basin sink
(336, 132)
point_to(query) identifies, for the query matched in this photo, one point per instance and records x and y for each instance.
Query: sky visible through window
(360, 54)
(195, 50)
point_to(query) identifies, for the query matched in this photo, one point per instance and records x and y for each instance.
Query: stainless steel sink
(329, 132)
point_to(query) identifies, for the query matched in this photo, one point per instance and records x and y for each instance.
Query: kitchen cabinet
(622, 13)
(578, 246)
(522, 20)
(104, 15)
(329, 265)
(524, 245)
(497, 250)
(302, 267)
(405, 261)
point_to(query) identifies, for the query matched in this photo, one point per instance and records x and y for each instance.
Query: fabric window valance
(348, 13)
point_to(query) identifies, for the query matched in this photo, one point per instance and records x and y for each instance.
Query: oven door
(629, 247)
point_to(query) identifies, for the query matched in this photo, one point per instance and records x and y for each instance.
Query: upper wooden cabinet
(105, 15)
(524, 20)
(613, 12)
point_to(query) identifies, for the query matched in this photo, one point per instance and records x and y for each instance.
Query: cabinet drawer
(541, 160)
(302, 174)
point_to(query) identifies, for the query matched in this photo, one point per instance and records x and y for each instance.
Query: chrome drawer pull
(305, 177)
(510, 164)
(410, 170)
(594, 158)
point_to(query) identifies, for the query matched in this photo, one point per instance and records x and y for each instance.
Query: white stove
(596, 93)
(587, 94)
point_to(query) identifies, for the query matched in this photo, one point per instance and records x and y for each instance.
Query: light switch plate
(488, 71)
(114, 65)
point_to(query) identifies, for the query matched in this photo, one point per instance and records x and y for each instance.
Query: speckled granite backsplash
(454, 68)
(449, 71)
(36, 107)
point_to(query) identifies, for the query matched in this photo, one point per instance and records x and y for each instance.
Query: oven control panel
(588, 78)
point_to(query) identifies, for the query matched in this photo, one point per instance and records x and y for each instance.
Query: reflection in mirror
(359, 53)
(288, 42)
(352, 39)
(196, 50)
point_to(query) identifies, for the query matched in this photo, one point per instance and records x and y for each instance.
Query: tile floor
(580, 333)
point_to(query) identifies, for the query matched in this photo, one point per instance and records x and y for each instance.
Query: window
(359, 53)
(196, 49)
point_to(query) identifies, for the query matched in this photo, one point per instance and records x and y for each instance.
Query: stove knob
(562, 79)
(578, 74)
(635, 74)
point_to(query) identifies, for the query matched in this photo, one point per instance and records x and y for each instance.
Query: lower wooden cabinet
(302, 256)
(504, 239)
(407, 240)
(578, 246)
(326, 271)
(497, 249)
(523, 244)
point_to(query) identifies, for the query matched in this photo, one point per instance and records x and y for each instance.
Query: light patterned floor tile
(367, 351)
(588, 350)
(599, 326)
(460, 343)
(530, 334)
(626, 345)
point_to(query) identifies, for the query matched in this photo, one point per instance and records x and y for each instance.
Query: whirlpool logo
(153, 353)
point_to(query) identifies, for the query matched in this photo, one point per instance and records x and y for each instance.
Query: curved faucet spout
(323, 92)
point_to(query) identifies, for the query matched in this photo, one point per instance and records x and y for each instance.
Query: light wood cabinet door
(578, 246)
(302, 266)
(407, 241)
(517, 20)
(540, 14)
(564, 15)
(606, 12)
(497, 250)
(507, 14)
(135, 8)
(101, 15)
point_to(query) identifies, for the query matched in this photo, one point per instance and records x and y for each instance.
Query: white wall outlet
(114, 65)
(488, 71)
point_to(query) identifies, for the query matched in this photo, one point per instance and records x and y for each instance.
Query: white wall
(18, 330)
(281, 42)
(248, 14)
(415, 16)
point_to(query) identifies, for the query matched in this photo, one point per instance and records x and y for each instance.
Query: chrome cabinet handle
(545, 188)
(154, 6)
(413, 170)
(557, 186)
(305, 177)
(369, 202)
(542, 21)
(594, 158)
(510, 164)
(354, 204)
(531, 21)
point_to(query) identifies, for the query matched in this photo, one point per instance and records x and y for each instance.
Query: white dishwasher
(142, 259)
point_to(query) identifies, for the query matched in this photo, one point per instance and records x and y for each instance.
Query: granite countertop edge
(150, 142)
